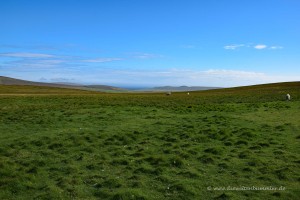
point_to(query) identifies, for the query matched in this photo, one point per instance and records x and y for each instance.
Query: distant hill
(13, 81)
(102, 88)
(67, 83)
(252, 93)
(105, 87)
(180, 88)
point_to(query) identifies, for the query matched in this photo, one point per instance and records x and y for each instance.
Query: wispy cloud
(233, 46)
(257, 46)
(37, 46)
(134, 77)
(177, 77)
(26, 55)
(260, 46)
(48, 47)
(39, 60)
(140, 55)
(233, 73)
(35, 63)
(276, 47)
(101, 60)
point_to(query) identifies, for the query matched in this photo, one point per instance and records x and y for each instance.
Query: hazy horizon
(151, 43)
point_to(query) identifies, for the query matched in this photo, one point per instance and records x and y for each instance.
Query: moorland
(58, 143)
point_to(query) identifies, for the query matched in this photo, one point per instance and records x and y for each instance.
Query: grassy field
(71, 144)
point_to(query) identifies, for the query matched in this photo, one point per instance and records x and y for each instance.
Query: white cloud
(233, 46)
(142, 78)
(32, 47)
(35, 63)
(178, 77)
(26, 55)
(101, 60)
(260, 46)
(140, 55)
(51, 62)
(276, 47)
(233, 73)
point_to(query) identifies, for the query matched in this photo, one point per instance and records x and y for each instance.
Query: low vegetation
(70, 144)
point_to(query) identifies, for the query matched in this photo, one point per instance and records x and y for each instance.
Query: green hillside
(38, 86)
(33, 90)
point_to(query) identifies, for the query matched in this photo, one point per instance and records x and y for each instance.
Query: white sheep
(288, 97)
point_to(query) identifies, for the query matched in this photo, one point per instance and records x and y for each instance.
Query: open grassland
(84, 145)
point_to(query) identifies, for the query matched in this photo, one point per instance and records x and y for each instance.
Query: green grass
(85, 145)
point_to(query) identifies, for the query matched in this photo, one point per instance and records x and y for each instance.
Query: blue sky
(151, 43)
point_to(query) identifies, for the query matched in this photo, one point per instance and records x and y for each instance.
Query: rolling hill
(101, 88)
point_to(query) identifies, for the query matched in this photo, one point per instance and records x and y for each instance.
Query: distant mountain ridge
(101, 88)
(13, 81)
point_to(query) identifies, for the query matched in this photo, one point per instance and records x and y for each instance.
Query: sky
(146, 43)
